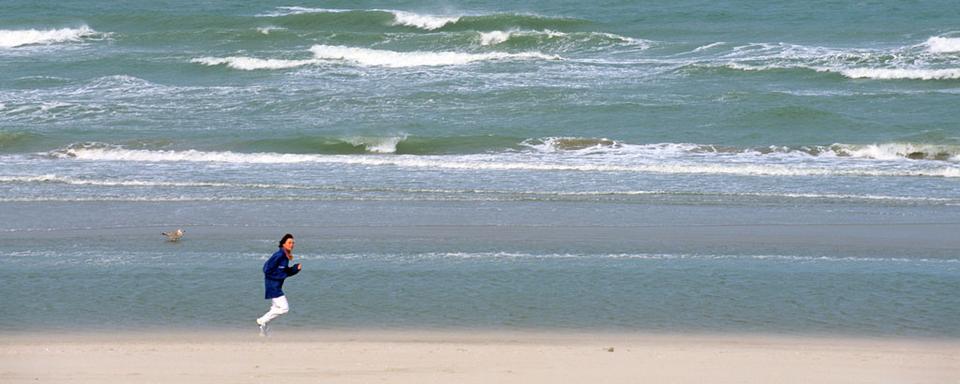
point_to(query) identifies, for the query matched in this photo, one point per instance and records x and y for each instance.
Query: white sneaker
(264, 329)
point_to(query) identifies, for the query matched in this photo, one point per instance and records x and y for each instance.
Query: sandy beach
(470, 357)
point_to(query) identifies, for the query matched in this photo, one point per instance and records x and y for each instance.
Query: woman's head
(286, 242)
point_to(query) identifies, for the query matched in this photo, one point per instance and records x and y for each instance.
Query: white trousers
(278, 307)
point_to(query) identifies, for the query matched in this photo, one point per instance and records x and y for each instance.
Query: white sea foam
(626, 160)
(937, 44)
(393, 59)
(416, 20)
(267, 30)
(895, 74)
(498, 37)
(16, 38)
(251, 63)
(287, 11)
(369, 58)
(494, 37)
(896, 151)
(708, 46)
(640, 42)
(901, 63)
(378, 145)
(405, 18)
(558, 144)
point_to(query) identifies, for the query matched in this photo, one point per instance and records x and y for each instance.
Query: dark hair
(284, 239)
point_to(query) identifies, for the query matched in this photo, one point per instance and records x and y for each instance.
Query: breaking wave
(403, 18)
(927, 61)
(938, 44)
(556, 41)
(366, 57)
(21, 37)
(892, 74)
(427, 22)
(393, 59)
(251, 63)
(595, 155)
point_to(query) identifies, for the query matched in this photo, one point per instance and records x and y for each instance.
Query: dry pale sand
(470, 357)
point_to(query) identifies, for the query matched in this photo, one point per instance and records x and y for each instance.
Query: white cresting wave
(268, 29)
(938, 44)
(251, 63)
(404, 18)
(896, 151)
(392, 59)
(885, 151)
(934, 59)
(669, 158)
(427, 22)
(494, 37)
(288, 11)
(366, 57)
(896, 74)
(498, 37)
(378, 145)
(21, 37)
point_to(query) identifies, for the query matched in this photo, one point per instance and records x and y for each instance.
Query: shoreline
(464, 356)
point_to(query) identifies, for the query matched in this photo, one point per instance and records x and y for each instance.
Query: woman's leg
(279, 306)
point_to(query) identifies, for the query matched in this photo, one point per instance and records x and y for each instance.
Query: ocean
(746, 166)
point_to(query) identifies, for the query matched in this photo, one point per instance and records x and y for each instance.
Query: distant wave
(251, 63)
(553, 144)
(287, 11)
(393, 59)
(925, 61)
(10, 140)
(937, 44)
(378, 145)
(563, 147)
(601, 156)
(366, 57)
(885, 151)
(399, 143)
(495, 37)
(427, 22)
(862, 73)
(267, 30)
(17, 38)
(892, 151)
(891, 74)
(561, 41)
(709, 46)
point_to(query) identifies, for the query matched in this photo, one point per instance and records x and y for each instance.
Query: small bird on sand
(174, 236)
